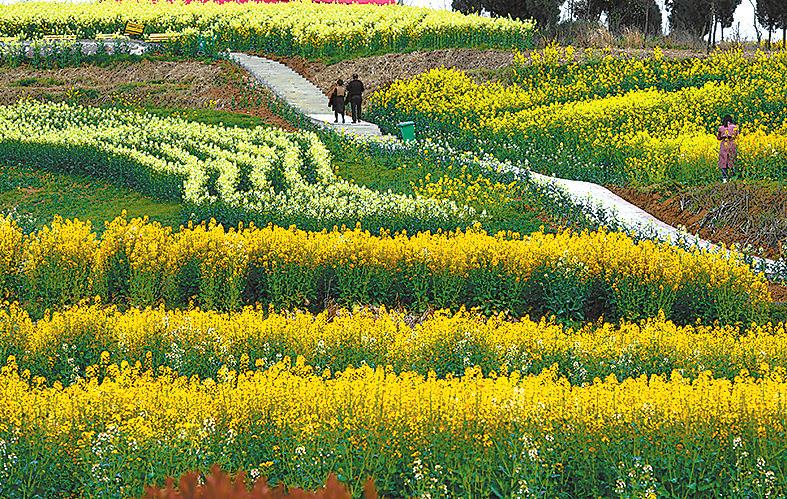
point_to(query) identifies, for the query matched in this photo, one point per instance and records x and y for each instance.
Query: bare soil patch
(380, 71)
(187, 84)
(745, 213)
(778, 292)
(162, 84)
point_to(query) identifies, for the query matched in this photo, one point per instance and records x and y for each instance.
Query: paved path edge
(585, 194)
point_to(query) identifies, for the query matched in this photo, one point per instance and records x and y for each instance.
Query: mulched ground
(778, 292)
(744, 213)
(380, 71)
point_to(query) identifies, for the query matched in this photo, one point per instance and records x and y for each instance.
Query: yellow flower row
(296, 397)
(645, 121)
(404, 429)
(541, 80)
(61, 346)
(288, 28)
(450, 268)
(599, 253)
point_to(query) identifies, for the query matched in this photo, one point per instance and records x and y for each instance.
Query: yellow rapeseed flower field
(287, 28)
(143, 263)
(122, 420)
(609, 118)
(139, 351)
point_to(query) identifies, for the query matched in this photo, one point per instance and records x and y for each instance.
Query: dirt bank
(380, 71)
(744, 213)
(148, 83)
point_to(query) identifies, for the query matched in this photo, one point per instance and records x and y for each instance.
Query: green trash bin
(407, 128)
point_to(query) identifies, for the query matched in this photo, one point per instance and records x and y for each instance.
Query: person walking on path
(728, 150)
(355, 97)
(336, 100)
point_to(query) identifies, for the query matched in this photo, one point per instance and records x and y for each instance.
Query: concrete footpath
(308, 99)
(629, 215)
(300, 93)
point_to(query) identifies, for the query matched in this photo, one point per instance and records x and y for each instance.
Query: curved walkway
(307, 98)
(299, 92)
(637, 220)
(628, 215)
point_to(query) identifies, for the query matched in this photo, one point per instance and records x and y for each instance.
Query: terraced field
(194, 275)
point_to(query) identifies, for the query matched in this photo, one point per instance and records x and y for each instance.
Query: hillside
(200, 271)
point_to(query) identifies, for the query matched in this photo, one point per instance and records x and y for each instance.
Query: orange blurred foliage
(219, 485)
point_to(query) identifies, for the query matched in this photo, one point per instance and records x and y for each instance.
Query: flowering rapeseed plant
(613, 120)
(144, 263)
(289, 28)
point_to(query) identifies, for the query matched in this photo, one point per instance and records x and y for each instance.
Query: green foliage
(565, 462)
(33, 196)
(289, 286)
(636, 299)
(495, 289)
(35, 81)
(233, 175)
(565, 289)
(368, 284)
(777, 311)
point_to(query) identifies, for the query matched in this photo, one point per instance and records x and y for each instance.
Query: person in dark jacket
(336, 100)
(355, 96)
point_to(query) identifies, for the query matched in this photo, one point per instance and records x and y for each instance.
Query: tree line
(698, 18)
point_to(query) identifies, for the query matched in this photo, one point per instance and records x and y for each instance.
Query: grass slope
(34, 196)
(375, 173)
(200, 91)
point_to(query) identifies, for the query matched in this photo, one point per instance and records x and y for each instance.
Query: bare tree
(725, 14)
(781, 21)
(756, 25)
